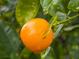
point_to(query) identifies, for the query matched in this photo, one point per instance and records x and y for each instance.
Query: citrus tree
(39, 29)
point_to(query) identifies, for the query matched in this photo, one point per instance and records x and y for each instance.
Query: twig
(70, 18)
(46, 53)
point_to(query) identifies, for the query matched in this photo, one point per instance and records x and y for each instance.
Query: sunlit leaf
(61, 15)
(70, 28)
(73, 5)
(52, 6)
(26, 9)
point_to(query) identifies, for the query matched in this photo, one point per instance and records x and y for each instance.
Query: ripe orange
(32, 35)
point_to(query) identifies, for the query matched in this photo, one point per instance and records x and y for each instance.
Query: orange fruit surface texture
(32, 35)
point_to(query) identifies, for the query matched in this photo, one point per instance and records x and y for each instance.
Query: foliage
(65, 17)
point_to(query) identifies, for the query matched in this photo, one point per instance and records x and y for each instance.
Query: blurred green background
(15, 13)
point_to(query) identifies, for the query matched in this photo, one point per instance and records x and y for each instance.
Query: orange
(32, 35)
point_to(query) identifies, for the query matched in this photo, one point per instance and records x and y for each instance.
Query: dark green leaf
(35, 56)
(9, 41)
(25, 53)
(3, 2)
(72, 43)
(58, 49)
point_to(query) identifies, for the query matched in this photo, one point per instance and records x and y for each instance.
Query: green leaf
(26, 9)
(3, 2)
(35, 56)
(45, 5)
(72, 43)
(73, 5)
(61, 15)
(25, 53)
(70, 28)
(52, 6)
(15, 56)
(57, 49)
(58, 30)
(56, 5)
(9, 41)
(65, 4)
